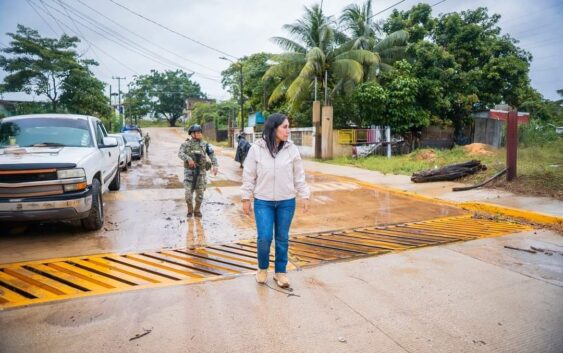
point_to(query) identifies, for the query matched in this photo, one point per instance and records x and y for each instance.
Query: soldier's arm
(211, 155)
(182, 153)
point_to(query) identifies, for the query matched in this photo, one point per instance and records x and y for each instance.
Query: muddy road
(149, 211)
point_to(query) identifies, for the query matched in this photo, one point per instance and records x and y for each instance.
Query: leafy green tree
(217, 113)
(37, 64)
(84, 94)
(162, 95)
(393, 103)
(496, 68)
(370, 98)
(461, 60)
(542, 109)
(51, 67)
(362, 32)
(256, 90)
(417, 22)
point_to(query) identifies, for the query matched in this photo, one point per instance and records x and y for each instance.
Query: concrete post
(327, 132)
(511, 144)
(317, 125)
(388, 140)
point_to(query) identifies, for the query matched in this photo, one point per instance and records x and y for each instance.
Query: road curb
(529, 216)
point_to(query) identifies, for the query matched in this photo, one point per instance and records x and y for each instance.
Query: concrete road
(467, 297)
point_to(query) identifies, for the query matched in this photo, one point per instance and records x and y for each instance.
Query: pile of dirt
(425, 155)
(479, 149)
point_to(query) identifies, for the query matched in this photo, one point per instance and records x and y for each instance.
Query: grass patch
(224, 144)
(154, 123)
(540, 168)
(413, 162)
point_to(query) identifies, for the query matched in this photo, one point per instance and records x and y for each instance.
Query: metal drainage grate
(43, 281)
(369, 241)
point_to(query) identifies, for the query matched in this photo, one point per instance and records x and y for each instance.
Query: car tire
(125, 166)
(95, 219)
(116, 182)
(130, 162)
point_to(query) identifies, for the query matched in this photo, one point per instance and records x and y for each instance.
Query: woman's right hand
(246, 207)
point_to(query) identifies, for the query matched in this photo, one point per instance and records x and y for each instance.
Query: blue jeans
(273, 217)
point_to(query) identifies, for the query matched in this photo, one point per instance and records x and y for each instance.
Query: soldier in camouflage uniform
(195, 152)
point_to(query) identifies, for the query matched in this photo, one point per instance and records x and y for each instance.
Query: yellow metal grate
(34, 282)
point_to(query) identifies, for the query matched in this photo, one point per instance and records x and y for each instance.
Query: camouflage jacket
(191, 147)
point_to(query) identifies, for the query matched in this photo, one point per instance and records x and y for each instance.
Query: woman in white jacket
(274, 176)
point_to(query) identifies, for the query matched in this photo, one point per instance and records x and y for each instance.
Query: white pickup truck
(56, 167)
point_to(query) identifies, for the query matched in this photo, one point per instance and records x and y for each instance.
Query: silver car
(125, 152)
(133, 141)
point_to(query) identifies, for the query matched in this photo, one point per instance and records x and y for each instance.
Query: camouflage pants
(190, 190)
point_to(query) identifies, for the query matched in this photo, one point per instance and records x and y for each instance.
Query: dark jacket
(242, 150)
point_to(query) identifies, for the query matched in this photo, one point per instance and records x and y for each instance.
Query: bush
(537, 134)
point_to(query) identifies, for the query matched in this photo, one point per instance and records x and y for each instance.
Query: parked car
(131, 128)
(125, 153)
(132, 140)
(56, 167)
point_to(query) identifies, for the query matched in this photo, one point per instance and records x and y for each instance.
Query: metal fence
(302, 136)
(361, 136)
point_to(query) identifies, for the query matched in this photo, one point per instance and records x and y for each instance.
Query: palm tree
(313, 51)
(357, 20)
(317, 49)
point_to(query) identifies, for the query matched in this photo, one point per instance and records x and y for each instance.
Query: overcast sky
(243, 27)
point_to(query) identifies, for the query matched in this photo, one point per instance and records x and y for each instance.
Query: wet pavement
(462, 297)
(148, 213)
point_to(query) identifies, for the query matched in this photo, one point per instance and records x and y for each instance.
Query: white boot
(261, 276)
(281, 279)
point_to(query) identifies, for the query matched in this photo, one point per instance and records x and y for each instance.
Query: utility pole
(110, 106)
(241, 99)
(120, 108)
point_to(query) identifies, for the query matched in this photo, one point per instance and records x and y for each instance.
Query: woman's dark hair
(269, 133)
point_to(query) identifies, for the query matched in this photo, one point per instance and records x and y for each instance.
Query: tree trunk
(449, 172)
(172, 120)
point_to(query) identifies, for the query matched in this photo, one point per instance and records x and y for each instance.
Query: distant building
(489, 125)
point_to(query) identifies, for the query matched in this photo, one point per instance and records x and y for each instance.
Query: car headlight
(75, 187)
(71, 173)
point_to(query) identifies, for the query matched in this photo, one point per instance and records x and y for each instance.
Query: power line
(130, 44)
(143, 38)
(44, 20)
(175, 32)
(109, 55)
(123, 43)
(103, 27)
(438, 3)
(380, 12)
(50, 15)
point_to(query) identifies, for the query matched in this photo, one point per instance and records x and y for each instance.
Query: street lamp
(241, 88)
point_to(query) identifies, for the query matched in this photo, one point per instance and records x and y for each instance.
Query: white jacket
(273, 179)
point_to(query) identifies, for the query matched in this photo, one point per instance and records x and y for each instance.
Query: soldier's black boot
(190, 210)
(197, 211)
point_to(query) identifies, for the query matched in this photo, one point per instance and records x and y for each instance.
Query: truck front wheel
(95, 218)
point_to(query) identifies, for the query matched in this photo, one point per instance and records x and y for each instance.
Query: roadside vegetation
(540, 163)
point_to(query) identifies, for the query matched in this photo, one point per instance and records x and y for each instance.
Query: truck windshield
(131, 137)
(45, 132)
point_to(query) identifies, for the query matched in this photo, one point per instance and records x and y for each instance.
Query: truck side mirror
(109, 142)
